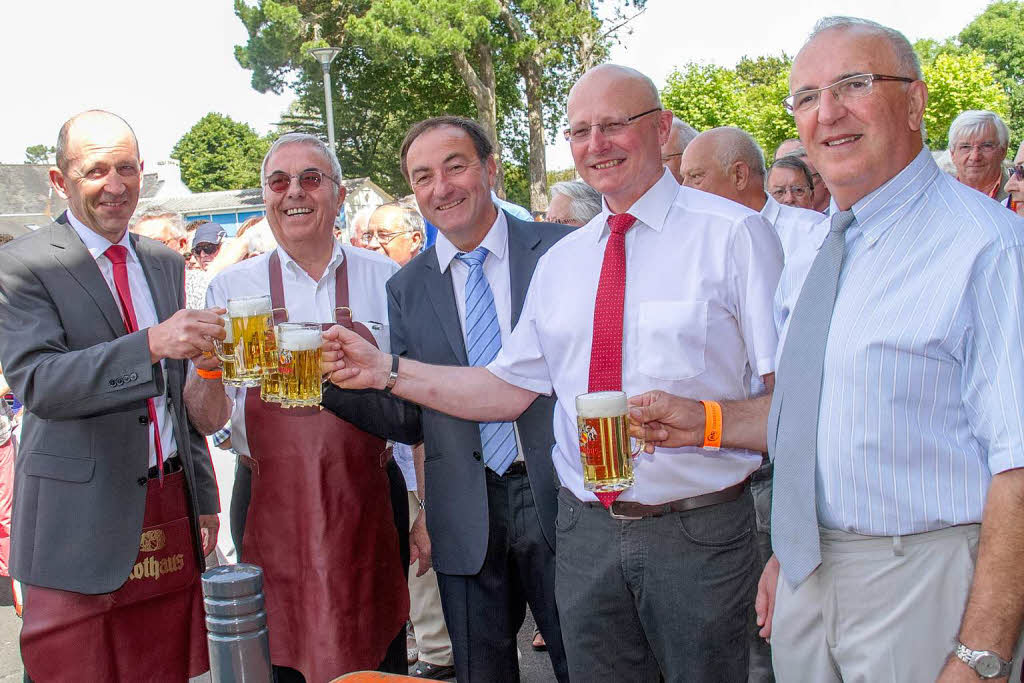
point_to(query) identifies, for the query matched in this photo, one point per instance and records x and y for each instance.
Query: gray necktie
(795, 406)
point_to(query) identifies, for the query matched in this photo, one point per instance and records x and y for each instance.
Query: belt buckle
(626, 518)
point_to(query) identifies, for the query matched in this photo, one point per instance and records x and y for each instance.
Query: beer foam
(301, 339)
(248, 306)
(601, 404)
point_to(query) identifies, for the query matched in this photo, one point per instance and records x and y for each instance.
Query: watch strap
(393, 376)
(970, 658)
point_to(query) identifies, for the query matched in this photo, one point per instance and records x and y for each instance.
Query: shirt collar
(878, 211)
(289, 264)
(96, 243)
(651, 209)
(771, 209)
(495, 241)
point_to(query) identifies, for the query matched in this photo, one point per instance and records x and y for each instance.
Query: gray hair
(174, 220)
(584, 201)
(792, 162)
(905, 54)
(975, 121)
(798, 152)
(409, 219)
(686, 133)
(737, 145)
(304, 139)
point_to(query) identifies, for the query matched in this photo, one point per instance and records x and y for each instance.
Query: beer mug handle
(218, 345)
(638, 448)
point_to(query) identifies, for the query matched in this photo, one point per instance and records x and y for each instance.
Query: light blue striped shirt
(923, 393)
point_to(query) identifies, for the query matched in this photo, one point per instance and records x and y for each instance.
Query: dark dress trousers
(492, 538)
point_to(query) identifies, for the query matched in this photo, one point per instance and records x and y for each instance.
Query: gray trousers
(877, 609)
(667, 596)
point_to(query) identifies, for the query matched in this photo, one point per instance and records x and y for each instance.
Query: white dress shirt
(797, 228)
(499, 278)
(307, 300)
(700, 273)
(145, 315)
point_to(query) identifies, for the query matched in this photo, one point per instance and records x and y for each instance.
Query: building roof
(25, 189)
(224, 200)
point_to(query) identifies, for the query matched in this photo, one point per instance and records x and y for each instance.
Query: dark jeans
(667, 596)
(484, 611)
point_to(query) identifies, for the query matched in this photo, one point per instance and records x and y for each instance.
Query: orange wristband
(712, 425)
(208, 374)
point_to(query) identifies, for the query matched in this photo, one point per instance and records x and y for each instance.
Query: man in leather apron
(112, 486)
(318, 519)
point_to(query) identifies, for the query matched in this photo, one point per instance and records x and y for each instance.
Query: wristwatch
(985, 663)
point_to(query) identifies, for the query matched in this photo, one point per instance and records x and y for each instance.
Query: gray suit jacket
(81, 470)
(425, 326)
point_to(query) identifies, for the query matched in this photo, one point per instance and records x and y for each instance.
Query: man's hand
(764, 604)
(351, 362)
(209, 525)
(664, 420)
(419, 544)
(186, 334)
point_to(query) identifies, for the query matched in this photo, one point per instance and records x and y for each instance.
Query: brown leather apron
(321, 526)
(150, 629)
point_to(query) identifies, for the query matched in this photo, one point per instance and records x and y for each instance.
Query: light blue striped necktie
(795, 408)
(483, 341)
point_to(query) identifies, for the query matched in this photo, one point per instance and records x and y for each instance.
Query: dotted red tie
(118, 255)
(606, 347)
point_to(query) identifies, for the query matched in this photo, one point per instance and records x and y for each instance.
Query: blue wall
(230, 220)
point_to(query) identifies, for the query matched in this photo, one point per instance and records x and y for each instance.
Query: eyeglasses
(208, 249)
(851, 87)
(609, 128)
(666, 157)
(985, 148)
(279, 181)
(798, 191)
(383, 238)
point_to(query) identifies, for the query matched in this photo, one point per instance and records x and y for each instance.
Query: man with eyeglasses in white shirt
(789, 182)
(978, 140)
(658, 583)
(396, 231)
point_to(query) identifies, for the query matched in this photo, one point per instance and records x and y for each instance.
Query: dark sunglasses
(208, 249)
(280, 181)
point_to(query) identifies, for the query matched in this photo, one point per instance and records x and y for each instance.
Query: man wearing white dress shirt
(917, 461)
(662, 585)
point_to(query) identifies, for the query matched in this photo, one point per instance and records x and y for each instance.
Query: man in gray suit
(93, 341)
(490, 490)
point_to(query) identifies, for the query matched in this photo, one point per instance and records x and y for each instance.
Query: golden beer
(255, 346)
(603, 423)
(300, 364)
(226, 353)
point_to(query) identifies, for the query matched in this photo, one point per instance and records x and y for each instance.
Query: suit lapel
(67, 248)
(442, 297)
(523, 239)
(160, 286)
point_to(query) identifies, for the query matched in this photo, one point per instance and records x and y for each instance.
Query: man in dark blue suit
(490, 488)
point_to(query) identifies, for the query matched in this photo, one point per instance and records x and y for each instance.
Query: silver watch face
(987, 664)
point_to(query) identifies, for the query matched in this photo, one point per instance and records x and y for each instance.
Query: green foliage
(559, 176)
(219, 153)
(959, 81)
(517, 184)
(749, 97)
(39, 154)
(996, 32)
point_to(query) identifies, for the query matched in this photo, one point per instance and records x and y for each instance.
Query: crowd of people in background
(822, 350)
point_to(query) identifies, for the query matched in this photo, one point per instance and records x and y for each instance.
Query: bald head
(624, 161)
(91, 124)
(728, 162)
(672, 151)
(787, 147)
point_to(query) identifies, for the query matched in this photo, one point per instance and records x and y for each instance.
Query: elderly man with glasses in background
(672, 151)
(396, 230)
(312, 502)
(790, 182)
(1015, 183)
(978, 140)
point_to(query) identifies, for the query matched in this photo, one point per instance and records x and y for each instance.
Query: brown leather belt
(627, 509)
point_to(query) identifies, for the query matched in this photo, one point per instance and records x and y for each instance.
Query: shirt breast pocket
(671, 336)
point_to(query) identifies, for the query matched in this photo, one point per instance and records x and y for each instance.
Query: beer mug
(225, 351)
(602, 419)
(299, 364)
(253, 333)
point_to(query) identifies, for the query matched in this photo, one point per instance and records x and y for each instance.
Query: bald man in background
(672, 151)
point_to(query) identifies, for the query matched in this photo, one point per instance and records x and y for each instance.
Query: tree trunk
(530, 69)
(482, 88)
(587, 41)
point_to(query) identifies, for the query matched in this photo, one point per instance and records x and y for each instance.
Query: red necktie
(117, 255)
(606, 347)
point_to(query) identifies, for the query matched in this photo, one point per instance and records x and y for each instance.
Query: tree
(218, 153)
(39, 154)
(996, 33)
(958, 81)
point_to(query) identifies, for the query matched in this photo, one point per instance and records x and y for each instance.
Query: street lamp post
(326, 55)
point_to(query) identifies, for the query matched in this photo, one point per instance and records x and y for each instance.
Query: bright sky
(164, 65)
